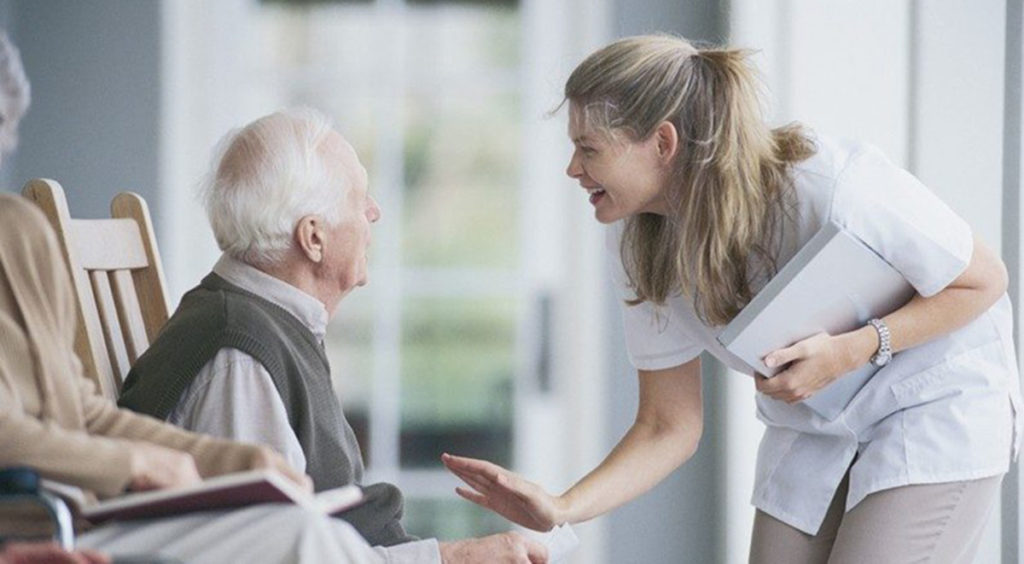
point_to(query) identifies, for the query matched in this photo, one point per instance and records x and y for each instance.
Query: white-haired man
(243, 357)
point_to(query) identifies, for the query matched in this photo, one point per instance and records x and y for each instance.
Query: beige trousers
(934, 523)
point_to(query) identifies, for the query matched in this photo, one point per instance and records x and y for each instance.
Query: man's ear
(309, 235)
(668, 141)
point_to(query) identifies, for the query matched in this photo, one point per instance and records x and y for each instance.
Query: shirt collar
(307, 309)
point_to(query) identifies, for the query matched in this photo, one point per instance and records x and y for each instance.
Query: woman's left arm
(819, 360)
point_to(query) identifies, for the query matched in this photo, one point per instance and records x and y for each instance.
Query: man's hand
(155, 467)
(497, 549)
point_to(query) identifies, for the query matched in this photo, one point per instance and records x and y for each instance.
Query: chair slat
(149, 282)
(89, 342)
(108, 244)
(119, 282)
(112, 333)
(129, 314)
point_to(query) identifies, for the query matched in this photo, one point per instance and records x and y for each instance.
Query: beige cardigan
(51, 417)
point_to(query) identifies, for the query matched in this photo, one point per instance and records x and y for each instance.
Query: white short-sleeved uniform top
(942, 411)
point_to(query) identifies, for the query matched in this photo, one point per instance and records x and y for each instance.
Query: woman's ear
(309, 235)
(668, 141)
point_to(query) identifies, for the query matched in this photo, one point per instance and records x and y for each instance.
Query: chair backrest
(119, 281)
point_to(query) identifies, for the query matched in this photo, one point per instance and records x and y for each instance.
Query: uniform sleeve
(892, 212)
(655, 339)
(234, 397)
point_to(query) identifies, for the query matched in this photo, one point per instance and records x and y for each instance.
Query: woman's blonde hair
(730, 179)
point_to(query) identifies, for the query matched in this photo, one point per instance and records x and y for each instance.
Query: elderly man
(243, 357)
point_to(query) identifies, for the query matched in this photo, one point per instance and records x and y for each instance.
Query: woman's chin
(606, 216)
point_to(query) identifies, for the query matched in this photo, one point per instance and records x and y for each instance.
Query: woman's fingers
(478, 483)
(801, 349)
(265, 457)
(472, 464)
(779, 387)
(783, 356)
(478, 473)
(470, 495)
(472, 475)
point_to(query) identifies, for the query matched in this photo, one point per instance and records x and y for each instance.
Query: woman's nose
(574, 170)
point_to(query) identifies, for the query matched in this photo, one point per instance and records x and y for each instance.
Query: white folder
(834, 284)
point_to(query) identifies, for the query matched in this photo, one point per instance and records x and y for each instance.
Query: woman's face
(622, 177)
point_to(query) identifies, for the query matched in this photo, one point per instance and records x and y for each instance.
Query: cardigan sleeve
(212, 456)
(98, 464)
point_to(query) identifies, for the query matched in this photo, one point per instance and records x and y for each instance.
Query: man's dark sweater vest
(217, 315)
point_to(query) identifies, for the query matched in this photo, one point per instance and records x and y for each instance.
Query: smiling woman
(705, 200)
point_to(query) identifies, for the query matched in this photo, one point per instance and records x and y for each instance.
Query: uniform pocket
(955, 416)
(981, 367)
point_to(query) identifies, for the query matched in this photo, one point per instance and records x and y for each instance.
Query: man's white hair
(15, 94)
(265, 177)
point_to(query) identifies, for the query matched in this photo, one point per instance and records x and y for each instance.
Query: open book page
(221, 492)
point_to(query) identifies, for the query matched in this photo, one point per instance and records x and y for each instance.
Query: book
(220, 492)
(834, 284)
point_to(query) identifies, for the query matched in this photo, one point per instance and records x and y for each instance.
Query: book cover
(834, 284)
(220, 492)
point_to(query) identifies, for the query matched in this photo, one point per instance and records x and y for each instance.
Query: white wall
(93, 123)
(923, 81)
(1013, 155)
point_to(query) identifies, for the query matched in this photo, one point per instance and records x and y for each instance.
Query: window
(424, 357)
(477, 332)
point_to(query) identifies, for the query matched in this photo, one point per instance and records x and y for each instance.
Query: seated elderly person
(54, 421)
(243, 358)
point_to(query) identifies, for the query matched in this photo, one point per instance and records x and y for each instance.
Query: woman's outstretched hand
(506, 493)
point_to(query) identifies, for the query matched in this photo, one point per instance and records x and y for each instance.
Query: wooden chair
(118, 279)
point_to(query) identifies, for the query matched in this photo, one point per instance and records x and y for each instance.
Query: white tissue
(560, 542)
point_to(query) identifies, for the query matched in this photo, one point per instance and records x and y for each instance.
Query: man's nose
(373, 211)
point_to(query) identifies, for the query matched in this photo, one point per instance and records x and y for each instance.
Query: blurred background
(487, 328)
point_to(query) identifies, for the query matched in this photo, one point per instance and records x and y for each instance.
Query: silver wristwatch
(884, 353)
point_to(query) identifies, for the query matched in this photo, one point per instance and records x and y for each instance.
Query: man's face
(345, 257)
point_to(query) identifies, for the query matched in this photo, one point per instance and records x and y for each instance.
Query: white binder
(834, 284)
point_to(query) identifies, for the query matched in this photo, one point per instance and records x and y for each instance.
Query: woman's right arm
(664, 435)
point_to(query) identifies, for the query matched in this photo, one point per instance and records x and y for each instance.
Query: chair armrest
(22, 484)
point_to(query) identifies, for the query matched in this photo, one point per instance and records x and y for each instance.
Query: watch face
(881, 359)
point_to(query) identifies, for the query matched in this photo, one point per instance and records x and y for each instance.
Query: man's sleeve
(425, 551)
(234, 397)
